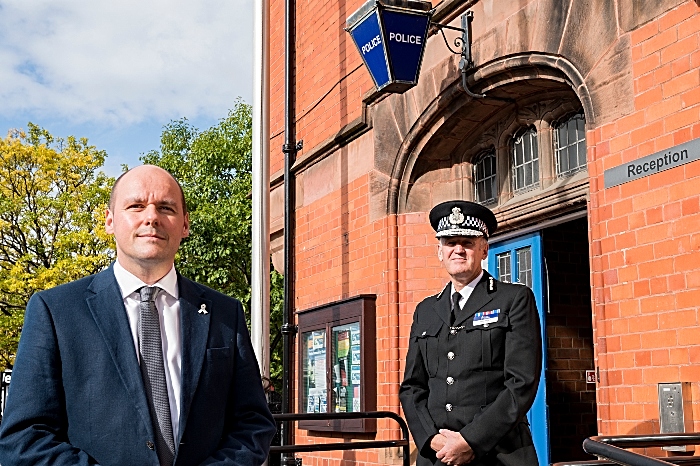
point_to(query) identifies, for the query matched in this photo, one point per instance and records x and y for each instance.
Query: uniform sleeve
(249, 423)
(413, 394)
(522, 367)
(34, 425)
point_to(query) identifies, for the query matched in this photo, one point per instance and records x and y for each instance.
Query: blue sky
(116, 72)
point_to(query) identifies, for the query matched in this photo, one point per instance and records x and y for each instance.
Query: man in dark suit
(136, 365)
(474, 354)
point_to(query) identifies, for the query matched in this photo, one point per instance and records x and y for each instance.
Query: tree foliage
(52, 205)
(214, 167)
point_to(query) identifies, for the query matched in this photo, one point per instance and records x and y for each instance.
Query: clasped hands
(451, 448)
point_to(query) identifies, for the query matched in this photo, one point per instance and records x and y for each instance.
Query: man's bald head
(148, 220)
(113, 193)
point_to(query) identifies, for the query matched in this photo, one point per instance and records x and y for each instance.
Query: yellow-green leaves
(52, 202)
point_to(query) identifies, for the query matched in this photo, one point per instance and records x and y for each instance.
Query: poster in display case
(337, 354)
(314, 376)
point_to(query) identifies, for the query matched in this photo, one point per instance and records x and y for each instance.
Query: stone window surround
(490, 179)
(530, 159)
(543, 116)
(566, 120)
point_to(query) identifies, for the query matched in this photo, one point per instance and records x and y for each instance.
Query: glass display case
(337, 355)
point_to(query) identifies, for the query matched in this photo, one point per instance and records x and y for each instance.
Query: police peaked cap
(462, 218)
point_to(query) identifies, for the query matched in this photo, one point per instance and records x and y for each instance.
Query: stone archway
(432, 151)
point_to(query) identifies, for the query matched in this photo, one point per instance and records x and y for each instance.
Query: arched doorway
(524, 156)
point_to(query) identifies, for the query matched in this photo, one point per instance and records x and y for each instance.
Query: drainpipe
(290, 149)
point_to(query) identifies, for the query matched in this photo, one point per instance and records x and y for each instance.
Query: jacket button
(448, 407)
(450, 355)
(150, 445)
(450, 381)
(453, 332)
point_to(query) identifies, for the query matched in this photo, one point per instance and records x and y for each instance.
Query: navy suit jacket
(77, 397)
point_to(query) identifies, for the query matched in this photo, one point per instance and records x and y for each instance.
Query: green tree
(214, 167)
(52, 205)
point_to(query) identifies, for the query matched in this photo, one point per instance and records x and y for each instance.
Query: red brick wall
(331, 79)
(328, 267)
(341, 253)
(646, 233)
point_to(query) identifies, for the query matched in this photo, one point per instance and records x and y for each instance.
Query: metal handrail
(649, 440)
(620, 456)
(611, 448)
(360, 445)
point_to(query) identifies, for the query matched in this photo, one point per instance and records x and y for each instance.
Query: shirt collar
(130, 283)
(467, 290)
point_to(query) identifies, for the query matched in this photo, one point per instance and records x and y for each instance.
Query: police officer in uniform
(474, 354)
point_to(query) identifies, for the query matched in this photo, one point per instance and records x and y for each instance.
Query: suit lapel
(195, 333)
(479, 298)
(107, 307)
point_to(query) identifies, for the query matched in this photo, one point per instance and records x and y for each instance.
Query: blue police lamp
(390, 36)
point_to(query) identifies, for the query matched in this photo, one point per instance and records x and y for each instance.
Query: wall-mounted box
(337, 371)
(676, 411)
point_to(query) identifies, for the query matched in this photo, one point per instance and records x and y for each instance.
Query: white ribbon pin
(203, 309)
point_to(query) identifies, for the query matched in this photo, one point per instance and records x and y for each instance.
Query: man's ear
(109, 221)
(440, 251)
(186, 227)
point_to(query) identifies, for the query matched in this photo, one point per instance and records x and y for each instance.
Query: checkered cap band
(471, 226)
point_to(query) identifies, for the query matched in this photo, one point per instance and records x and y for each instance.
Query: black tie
(455, 307)
(153, 374)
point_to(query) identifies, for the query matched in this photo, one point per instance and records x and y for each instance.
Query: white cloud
(123, 62)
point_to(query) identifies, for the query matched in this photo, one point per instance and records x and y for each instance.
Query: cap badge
(456, 217)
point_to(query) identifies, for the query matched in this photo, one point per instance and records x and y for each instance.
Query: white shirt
(466, 292)
(168, 307)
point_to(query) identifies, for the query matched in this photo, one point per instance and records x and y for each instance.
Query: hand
(437, 442)
(456, 450)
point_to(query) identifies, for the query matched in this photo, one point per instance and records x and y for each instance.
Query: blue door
(520, 260)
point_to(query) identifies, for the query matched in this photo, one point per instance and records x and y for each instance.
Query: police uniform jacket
(477, 379)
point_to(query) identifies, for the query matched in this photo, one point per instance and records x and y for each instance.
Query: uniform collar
(467, 290)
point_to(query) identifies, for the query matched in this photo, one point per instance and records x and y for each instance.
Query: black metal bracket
(289, 329)
(292, 148)
(464, 43)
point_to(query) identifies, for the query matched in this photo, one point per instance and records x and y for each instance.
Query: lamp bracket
(463, 42)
